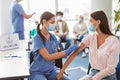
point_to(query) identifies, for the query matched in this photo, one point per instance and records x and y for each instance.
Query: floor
(78, 67)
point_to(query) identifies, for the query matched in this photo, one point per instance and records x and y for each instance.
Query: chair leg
(66, 73)
(29, 43)
(89, 67)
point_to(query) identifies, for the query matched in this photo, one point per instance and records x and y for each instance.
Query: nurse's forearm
(56, 55)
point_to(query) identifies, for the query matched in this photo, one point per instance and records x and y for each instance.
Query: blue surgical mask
(59, 17)
(51, 27)
(91, 27)
(80, 20)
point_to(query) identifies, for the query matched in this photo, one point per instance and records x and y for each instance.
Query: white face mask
(59, 17)
(51, 27)
(80, 20)
(91, 27)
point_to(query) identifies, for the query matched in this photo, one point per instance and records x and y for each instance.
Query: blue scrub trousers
(67, 43)
(20, 34)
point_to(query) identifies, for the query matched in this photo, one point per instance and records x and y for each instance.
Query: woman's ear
(98, 21)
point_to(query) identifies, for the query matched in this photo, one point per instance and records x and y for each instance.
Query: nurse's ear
(44, 21)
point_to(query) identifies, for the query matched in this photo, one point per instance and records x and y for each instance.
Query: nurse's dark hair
(104, 26)
(47, 16)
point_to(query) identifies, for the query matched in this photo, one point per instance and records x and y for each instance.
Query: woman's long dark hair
(104, 26)
(47, 16)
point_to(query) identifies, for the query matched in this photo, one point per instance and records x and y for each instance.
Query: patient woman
(103, 50)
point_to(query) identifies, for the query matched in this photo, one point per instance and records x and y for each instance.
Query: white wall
(105, 5)
(0, 16)
(5, 24)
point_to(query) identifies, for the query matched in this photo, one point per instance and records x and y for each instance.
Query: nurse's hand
(71, 49)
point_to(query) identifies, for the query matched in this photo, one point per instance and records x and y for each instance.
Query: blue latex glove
(71, 49)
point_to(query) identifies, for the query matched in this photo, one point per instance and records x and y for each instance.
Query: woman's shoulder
(114, 42)
(112, 38)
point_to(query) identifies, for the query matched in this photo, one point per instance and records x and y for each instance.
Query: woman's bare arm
(69, 60)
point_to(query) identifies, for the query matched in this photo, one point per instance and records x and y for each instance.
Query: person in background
(80, 31)
(17, 18)
(103, 50)
(45, 51)
(62, 31)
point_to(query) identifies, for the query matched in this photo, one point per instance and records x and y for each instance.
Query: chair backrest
(31, 57)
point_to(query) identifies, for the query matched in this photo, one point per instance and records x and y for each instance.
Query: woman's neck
(101, 35)
(99, 32)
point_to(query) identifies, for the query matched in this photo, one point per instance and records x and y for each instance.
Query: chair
(118, 70)
(29, 44)
(89, 67)
(58, 62)
(31, 34)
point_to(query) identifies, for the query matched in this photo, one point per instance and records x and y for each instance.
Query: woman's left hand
(88, 78)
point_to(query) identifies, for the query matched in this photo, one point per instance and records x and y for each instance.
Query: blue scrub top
(40, 64)
(17, 19)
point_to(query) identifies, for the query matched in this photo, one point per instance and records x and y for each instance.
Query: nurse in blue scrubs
(18, 14)
(45, 51)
